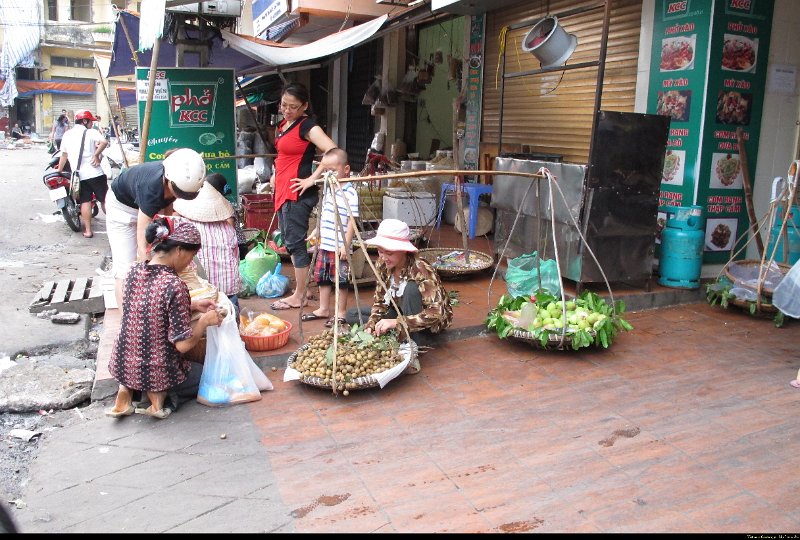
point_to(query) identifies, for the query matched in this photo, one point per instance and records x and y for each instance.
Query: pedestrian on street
(83, 147)
(334, 247)
(142, 191)
(157, 328)
(213, 216)
(296, 139)
(60, 126)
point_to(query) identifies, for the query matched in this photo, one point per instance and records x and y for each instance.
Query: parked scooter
(62, 193)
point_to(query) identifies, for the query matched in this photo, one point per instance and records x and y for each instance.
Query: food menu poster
(192, 108)
(737, 75)
(678, 70)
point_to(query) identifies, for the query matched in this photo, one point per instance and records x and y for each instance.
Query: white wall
(780, 121)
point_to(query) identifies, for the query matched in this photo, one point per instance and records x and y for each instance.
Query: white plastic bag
(229, 374)
(786, 296)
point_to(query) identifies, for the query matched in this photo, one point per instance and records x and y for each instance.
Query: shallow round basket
(482, 262)
(553, 340)
(754, 263)
(361, 383)
(766, 309)
(268, 343)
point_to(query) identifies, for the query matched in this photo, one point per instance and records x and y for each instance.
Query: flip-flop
(119, 414)
(280, 305)
(305, 317)
(795, 383)
(329, 323)
(160, 414)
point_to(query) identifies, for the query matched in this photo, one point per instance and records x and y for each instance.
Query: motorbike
(62, 194)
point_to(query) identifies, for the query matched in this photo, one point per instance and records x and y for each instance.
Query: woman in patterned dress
(156, 326)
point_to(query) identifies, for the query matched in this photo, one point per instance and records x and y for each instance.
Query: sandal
(305, 317)
(279, 305)
(160, 414)
(329, 323)
(119, 414)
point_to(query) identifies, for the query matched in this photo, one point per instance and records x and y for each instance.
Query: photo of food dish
(661, 222)
(726, 171)
(677, 53)
(720, 234)
(739, 53)
(673, 167)
(733, 108)
(675, 104)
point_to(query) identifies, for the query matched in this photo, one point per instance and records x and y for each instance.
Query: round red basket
(268, 343)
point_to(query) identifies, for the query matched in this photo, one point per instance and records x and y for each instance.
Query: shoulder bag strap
(80, 153)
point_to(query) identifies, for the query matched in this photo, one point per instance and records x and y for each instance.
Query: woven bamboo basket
(361, 383)
(766, 309)
(553, 340)
(754, 263)
(482, 262)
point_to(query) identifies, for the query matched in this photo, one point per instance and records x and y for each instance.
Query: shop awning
(122, 62)
(271, 54)
(31, 88)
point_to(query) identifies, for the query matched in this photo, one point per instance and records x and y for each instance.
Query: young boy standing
(334, 246)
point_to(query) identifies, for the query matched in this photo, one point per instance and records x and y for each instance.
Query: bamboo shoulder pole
(748, 192)
(148, 108)
(102, 82)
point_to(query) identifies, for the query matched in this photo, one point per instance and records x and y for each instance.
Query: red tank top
(295, 156)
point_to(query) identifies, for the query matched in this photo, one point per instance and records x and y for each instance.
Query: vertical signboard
(472, 124)
(192, 108)
(678, 70)
(737, 74)
(266, 12)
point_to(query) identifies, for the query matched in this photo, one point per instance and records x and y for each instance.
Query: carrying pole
(108, 102)
(148, 108)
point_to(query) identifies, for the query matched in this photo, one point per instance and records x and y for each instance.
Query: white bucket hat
(186, 169)
(392, 235)
(209, 206)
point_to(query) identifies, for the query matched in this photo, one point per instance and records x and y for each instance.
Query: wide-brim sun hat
(186, 169)
(208, 206)
(392, 235)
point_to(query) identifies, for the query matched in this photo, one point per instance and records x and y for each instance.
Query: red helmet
(84, 115)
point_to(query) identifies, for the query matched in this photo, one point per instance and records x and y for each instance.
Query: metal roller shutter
(552, 112)
(73, 103)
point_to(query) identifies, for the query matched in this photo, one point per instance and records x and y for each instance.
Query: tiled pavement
(686, 424)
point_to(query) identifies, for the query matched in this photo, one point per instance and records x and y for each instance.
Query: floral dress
(156, 313)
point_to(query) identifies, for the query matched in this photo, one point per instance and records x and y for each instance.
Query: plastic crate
(259, 209)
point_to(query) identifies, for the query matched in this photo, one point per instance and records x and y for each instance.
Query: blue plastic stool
(473, 191)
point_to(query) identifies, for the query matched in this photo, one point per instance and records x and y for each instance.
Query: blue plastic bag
(522, 275)
(272, 284)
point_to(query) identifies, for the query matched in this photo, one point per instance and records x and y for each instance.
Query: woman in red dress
(157, 325)
(296, 141)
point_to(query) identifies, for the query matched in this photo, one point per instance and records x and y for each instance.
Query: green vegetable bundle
(585, 321)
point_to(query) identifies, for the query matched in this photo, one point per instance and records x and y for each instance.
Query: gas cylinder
(682, 247)
(792, 235)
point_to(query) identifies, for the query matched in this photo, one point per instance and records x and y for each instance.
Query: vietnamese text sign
(737, 73)
(266, 12)
(192, 108)
(472, 125)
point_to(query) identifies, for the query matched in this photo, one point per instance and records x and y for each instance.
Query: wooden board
(82, 295)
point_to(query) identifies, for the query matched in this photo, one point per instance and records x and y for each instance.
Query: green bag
(522, 276)
(258, 261)
(248, 287)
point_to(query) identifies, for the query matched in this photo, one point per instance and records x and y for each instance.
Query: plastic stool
(473, 191)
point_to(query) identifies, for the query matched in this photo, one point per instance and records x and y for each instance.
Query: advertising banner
(708, 73)
(192, 108)
(472, 125)
(737, 74)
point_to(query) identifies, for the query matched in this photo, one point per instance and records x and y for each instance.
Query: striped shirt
(219, 255)
(348, 196)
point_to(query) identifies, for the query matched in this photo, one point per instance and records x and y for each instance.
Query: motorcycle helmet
(186, 170)
(84, 115)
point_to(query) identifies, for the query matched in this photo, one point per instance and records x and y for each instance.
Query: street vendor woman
(417, 290)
